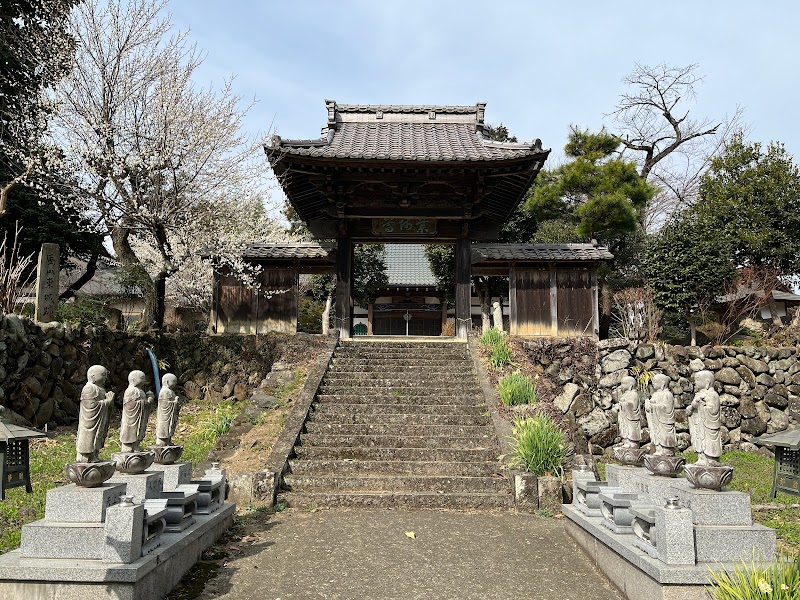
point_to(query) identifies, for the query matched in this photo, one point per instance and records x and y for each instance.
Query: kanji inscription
(47, 283)
(403, 227)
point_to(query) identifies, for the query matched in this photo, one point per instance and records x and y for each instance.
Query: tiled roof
(537, 252)
(406, 264)
(299, 250)
(399, 133)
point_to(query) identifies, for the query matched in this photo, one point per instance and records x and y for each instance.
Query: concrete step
(375, 406)
(395, 371)
(398, 500)
(400, 419)
(396, 454)
(396, 378)
(395, 391)
(395, 483)
(394, 467)
(385, 352)
(398, 441)
(399, 429)
(400, 344)
(405, 363)
(466, 401)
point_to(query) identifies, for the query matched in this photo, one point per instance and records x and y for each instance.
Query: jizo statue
(630, 414)
(660, 412)
(136, 405)
(705, 420)
(168, 408)
(96, 405)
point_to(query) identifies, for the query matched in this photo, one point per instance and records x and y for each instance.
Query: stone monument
(629, 420)
(95, 406)
(165, 451)
(47, 283)
(660, 411)
(704, 427)
(136, 406)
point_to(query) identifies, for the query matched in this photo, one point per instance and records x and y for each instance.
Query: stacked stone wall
(43, 366)
(759, 387)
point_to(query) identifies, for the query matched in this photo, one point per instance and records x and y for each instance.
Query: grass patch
(208, 424)
(539, 445)
(516, 389)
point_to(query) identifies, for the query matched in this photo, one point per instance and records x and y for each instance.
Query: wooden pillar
(595, 304)
(344, 282)
(216, 288)
(295, 299)
(512, 300)
(370, 317)
(553, 300)
(444, 315)
(463, 284)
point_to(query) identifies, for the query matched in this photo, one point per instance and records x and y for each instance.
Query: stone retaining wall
(43, 366)
(759, 387)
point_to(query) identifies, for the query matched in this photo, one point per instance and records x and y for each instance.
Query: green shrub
(309, 315)
(539, 446)
(492, 338)
(500, 356)
(515, 389)
(779, 581)
(82, 312)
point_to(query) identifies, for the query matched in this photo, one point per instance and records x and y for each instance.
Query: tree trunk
(692, 330)
(91, 269)
(483, 293)
(159, 300)
(326, 315)
(126, 255)
(773, 309)
(605, 310)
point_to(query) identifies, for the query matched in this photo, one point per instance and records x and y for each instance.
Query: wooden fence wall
(243, 309)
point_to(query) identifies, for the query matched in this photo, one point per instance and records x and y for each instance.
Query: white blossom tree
(163, 160)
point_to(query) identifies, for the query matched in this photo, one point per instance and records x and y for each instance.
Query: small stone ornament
(165, 451)
(136, 406)
(95, 406)
(629, 421)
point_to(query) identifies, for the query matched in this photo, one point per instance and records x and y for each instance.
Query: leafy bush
(492, 338)
(82, 312)
(516, 389)
(309, 315)
(539, 446)
(779, 581)
(500, 356)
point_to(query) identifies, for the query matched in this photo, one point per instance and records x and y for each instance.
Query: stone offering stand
(657, 538)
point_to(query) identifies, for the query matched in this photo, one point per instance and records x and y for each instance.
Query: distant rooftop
(406, 264)
(540, 252)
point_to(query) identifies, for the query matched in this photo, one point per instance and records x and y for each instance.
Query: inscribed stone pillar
(463, 284)
(344, 284)
(47, 283)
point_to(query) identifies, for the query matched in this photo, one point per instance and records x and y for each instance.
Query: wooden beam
(553, 300)
(216, 285)
(295, 300)
(512, 300)
(344, 275)
(463, 285)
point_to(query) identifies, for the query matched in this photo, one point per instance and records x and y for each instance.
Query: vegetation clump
(515, 388)
(778, 581)
(540, 446)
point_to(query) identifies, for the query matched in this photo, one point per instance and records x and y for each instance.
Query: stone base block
(549, 490)
(47, 539)
(174, 475)
(708, 507)
(151, 577)
(73, 504)
(211, 495)
(142, 486)
(721, 544)
(526, 491)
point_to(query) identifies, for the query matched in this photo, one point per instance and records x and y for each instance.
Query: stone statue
(630, 414)
(497, 315)
(136, 406)
(96, 405)
(660, 409)
(705, 420)
(168, 408)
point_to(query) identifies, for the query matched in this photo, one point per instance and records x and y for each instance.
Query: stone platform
(150, 577)
(658, 538)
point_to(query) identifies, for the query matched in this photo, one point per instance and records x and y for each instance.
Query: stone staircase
(398, 424)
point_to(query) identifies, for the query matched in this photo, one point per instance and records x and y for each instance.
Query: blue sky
(540, 66)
